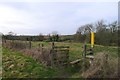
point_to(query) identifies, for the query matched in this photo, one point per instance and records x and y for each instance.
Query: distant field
(15, 64)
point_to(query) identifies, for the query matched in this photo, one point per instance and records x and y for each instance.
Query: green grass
(76, 49)
(15, 64)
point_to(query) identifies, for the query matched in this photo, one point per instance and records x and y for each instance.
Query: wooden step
(76, 61)
(90, 57)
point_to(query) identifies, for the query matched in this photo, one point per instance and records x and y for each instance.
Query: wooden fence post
(42, 48)
(52, 53)
(39, 45)
(30, 42)
(84, 56)
(53, 45)
(30, 45)
(85, 50)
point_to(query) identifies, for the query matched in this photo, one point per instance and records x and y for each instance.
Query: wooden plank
(90, 57)
(65, 50)
(76, 61)
(60, 46)
(58, 57)
(61, 50)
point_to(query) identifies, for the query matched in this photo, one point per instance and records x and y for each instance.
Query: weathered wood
(53, 45)
(90, 57)
(62, 50)
(30, 45)
(42, 47)
(39, 45)
(76, 61)
(59, 55)
(61, 46)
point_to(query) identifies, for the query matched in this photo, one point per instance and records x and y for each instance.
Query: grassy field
(15, 64)
(76, 49)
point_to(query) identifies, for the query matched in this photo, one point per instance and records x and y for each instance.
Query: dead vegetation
(102, 67)
(46, 55)
(15, 45)
(41, 55)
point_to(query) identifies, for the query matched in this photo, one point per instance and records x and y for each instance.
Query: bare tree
(100, 26)
(83, 32)
(11, 33)
(114, 26)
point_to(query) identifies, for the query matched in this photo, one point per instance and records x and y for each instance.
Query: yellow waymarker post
(92, 39)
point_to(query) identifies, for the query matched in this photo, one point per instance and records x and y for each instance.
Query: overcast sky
(45, 17)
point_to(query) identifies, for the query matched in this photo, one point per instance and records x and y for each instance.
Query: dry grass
(103, 66)
(100, 67)
(41, 55)
(16, 45)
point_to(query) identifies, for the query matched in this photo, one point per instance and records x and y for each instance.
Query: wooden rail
(60, 46)
(75, 62)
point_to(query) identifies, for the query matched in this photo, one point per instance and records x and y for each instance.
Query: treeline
(47, 38)
(24, 38)
(105, 34)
